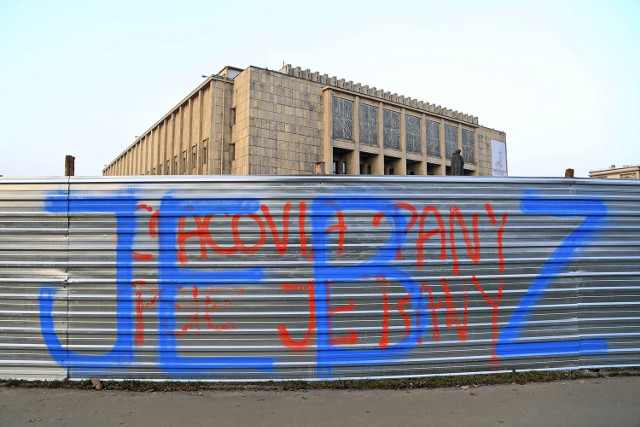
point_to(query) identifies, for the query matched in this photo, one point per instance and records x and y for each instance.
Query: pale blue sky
(561, 78)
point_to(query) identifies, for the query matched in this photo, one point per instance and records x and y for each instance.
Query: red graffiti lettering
(452, 312)
(202, 225)
(340, 227)
(412, 221)
(405, 317)
(204, 237)
(494, 303)
(285, 337)
(153, 223)
(424, 236)
(249, 250)
(433, 307)
(376, 222)
(139, 334)
(414, 214)
(281, 243)
(302, 217)
(384, 338)
(352, 337)
(194, 320)
(141, 256)
(210, 306)
(494, 222)
(473, 249)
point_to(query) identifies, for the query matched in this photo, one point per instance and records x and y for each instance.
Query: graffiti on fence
(317, 233)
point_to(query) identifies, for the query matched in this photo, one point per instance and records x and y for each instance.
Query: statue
(457, 164)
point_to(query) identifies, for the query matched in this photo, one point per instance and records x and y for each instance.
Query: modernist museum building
(257, 121)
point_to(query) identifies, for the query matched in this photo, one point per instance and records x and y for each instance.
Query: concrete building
(624, 172)
(294, 121)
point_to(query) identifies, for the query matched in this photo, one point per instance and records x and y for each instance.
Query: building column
(377, 165)
(402, 169)
(353, 158)
(422, 168)
(443, 150)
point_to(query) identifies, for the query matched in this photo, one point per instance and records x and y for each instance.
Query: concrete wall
(485, 136)
(285, 118)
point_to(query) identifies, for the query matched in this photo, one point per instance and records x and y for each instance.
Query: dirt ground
(584, 402)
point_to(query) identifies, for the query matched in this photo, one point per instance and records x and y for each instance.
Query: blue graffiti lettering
(594, 212)
(122, 205)
(324, 209)
(171, 276)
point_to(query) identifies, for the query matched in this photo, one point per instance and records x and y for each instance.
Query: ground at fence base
(462, 381)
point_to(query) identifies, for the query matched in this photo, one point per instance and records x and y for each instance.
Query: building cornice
(379, 94)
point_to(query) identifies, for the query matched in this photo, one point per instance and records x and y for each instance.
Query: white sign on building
(498, 158)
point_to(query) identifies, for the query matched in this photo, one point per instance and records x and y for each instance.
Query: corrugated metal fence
(270, 278)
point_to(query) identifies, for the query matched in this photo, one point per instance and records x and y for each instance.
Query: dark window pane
(467, 146)
(450, 140)
(391, 129)
(412, 126)
(342, 118)
(433, 138)
(368, 124)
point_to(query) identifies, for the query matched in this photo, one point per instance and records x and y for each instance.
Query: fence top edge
(332, 179)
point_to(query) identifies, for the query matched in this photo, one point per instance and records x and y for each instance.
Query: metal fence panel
(316, 277)
(33, 257)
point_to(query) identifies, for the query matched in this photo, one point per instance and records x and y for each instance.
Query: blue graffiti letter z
(510, 343)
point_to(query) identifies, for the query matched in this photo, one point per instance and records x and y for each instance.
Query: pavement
(588, 402)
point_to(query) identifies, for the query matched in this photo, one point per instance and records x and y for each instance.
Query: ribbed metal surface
(33, 254)
(269, 278)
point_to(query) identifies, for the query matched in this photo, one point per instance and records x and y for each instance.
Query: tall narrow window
(412, 125)
(450, 140)
(368, 118)
(433, 138)
(184, 162)
(194, 158)
(467, 146)
(391, 129)
(342, 118)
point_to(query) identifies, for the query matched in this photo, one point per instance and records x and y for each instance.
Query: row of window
(166, 169)
(368, 127)
(171, 168)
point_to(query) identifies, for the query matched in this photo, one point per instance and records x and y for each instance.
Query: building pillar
(443, 151)
(353, 158)
(377, 163)
(327, 140)
(402, 166)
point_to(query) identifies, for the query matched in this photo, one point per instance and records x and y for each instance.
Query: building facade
(624, 172)
(293, 121)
